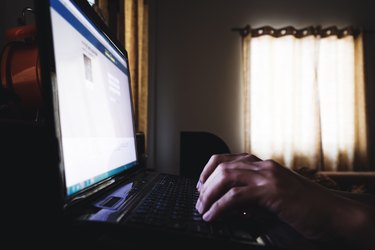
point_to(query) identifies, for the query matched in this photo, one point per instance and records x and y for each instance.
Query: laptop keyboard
(171, 205)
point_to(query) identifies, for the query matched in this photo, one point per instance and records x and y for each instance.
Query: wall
(9, 12)
(196, 78)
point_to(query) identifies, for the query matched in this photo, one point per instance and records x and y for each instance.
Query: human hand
(243, 182)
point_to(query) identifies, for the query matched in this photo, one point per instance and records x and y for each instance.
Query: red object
(20, 68)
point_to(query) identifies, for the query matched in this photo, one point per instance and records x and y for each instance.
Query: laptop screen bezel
(47, 70)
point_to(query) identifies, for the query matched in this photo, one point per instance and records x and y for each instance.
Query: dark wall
(197, 58)
(9, 12)
(369, 48)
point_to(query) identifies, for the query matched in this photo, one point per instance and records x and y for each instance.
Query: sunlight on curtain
(336, 89)
(136, 44)
(302, 102)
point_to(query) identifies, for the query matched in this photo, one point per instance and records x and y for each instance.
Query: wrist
(352, 224)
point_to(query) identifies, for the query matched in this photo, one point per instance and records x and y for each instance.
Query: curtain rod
(245, 30)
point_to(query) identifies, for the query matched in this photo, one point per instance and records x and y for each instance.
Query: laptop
(107, 197)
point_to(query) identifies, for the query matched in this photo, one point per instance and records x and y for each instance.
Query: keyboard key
(176, 225)
(201, 228)
(220, 231)
(242, 235)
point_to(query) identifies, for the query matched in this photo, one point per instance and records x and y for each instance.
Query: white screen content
(95, 116)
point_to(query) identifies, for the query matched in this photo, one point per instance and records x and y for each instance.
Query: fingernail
(207, 216)
(199, 184)
(198, 206)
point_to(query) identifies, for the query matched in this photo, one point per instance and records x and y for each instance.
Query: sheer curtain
(136, 44)
(304, 97)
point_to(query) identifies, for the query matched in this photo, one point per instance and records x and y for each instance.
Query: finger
(243, 161)
(252, 158)
(253, 162)
(223, 179)
(213, 162)
(234, 198)
(225, 172)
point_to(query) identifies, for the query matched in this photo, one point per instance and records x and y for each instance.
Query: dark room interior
(195, 84)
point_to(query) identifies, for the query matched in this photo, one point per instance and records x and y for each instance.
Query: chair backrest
(196, 148)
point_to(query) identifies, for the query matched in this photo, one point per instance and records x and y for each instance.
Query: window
(304, 97)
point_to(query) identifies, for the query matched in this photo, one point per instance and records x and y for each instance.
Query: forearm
(353, 224)
(365, 198)
(326, 216)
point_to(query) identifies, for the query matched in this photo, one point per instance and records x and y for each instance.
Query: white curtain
(304, 101)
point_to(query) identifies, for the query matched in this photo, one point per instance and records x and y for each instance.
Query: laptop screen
(92, 94)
